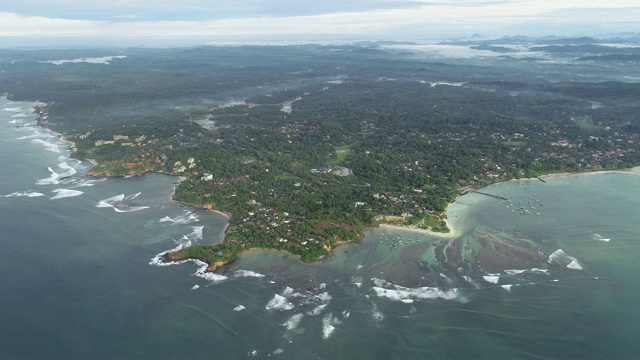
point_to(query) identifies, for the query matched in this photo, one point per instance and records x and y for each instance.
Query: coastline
(454, 231)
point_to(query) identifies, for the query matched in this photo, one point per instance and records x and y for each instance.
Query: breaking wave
(559, 257)
(15, 109)
(471, 281)
(202, 266)
(247, 273)
(186, 218)
(28, 193)
(65, 193)
(329, 325)
(317, 310)
(121, 203)
(47, 145)
(492, 278)
(292, 324)
(600, 238)
(279, 303)
(238, 308)
(400, 293)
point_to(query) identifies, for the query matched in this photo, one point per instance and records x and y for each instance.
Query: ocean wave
(294, 321)
(238, 308)
(51, 180)
(471, 281)
(507, 287)
(119, 203)
(130, 209)
(15, 109)
(28, 193)
(559, 257)
(247, 273)
(329, 325)
(91, 182)
(65, 193)
(574, 265)
(492, 278)
(514, 272)
(279, 303)
(376, 314)
(19, 115)
(202, 266)
(186, 218)
(600, 238)
(32, 136)
(47, 145)
(399, 293)
(317, 310)
(195, 287)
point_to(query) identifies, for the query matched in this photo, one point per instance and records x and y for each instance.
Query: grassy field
(585, 122)
(342, 151)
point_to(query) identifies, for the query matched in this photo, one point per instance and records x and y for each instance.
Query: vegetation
(308, 146)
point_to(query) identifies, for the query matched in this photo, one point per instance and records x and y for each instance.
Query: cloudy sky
(232, 20)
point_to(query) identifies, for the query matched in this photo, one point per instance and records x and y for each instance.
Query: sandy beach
(454, 233)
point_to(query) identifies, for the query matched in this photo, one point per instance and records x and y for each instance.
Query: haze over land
(191, 22)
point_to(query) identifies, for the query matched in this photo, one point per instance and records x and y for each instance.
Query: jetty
(493, 196)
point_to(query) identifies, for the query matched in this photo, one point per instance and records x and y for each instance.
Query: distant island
(306, 147)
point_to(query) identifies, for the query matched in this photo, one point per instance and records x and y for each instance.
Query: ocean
(81, 276)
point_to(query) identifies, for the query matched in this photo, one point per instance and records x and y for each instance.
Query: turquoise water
(79, 280)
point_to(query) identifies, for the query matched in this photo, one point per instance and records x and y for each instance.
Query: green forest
(308, 146)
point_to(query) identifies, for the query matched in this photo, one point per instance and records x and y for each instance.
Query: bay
(78, 279)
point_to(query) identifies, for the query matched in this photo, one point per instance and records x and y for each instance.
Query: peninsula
(304, 147)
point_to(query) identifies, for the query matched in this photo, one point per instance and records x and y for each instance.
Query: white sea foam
(329, 325)
(19, 115)
(51, 180)
(196, 234)
(561, 258)
(203, 273)
(202, 266)
(119, 203)
(574, 265)
(247, 273)
(186, 218)
(399, 293)
(279, 303)
(239, 308)
(65, 193)
(130, 209)
(317, 310)
(600, 238)
(293, 322)
(514, 272)
(15, 109)
(28, 193)
(507, 287)
(471, 281)
(492, 278)
(377, 315)
(47, 145)
(545, 271)
(195, 287)
(278, 351)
